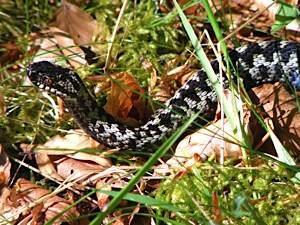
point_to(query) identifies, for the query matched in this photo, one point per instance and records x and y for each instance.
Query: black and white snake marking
(265, 62)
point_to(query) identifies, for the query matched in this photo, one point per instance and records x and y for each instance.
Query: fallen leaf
(46, 166)
(147, 65)
(5, 167)
(70, 143)
(29, 203)
(216, 211)
(207, 141)
(125, 97)
(61, 159)
(165, 88)
(56, 45)
(162, 92)
(5, 208)
(10, 52)
(77, 170)
(103, 199)
(73, 20)
(280, 107)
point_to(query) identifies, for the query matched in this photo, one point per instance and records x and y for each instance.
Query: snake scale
(257, 63)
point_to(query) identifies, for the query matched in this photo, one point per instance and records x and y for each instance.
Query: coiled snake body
(265, 62)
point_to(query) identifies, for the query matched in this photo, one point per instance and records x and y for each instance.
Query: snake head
(61, 81)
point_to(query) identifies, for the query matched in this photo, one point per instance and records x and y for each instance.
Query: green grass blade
(207, 67)
(216, 28)
(143, 199)
(283, 155)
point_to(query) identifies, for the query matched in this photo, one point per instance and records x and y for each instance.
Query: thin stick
(110, 43)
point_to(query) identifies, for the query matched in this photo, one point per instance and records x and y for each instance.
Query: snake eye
(48, 81)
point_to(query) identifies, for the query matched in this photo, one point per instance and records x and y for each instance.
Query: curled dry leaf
(10, 52)
(55, 44)
(31, 204)
(77, 170)
(103, 198)
(5, 208)
(209, 140)
(5, 166)
(165, 88)
(60, 159)
(162, 92)
(216, 210)
(199, 146)
(147, 65)
(280, 107)
(73, 20)
(125, 97)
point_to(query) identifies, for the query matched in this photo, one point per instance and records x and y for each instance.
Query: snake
(255, 64)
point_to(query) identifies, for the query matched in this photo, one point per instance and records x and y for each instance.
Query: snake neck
(85, 108)
(102, 127)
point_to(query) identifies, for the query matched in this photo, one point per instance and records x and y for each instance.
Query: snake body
(265, 62)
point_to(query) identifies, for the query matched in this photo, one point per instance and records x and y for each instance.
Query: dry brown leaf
(147, 65)
(46, 166)
(62, 145)
(56, 205)
(280, 107)
(5, 166)
(125, 97)
(216, 211)
(199, 146)
(11, 54)
(77, 170)
(43, 206)
(59, 158)
(162, 92)
(165, 88)
(207, 141)
(73, 20)
(27, 150)
(103, 199)
(54, 44)
(5, 208)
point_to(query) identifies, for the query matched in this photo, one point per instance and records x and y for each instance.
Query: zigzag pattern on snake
(266, 62)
